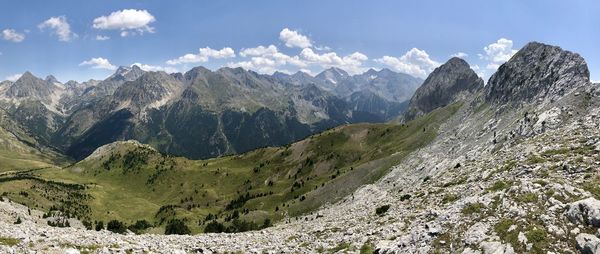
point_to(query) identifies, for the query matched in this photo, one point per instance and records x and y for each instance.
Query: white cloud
(478, 70)
(460, 55)
(258, 51)
(12, 35)
(102, 38)
(352, 63)
(203, 55)
(498, 53)
(294, 39)
(267, 60)
(322, 48)
(147, 67)
(415, 62)
(99, 63)
(61, 28)
(307, 71)
(128, 21)
(14, 77)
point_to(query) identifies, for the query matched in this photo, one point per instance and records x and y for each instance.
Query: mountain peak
(451, 82)
(136, 68)
(457, 61)
(537, 71)
(29, 86)
(333, 75)
(122, 70)
(27, 75)
(51, 79)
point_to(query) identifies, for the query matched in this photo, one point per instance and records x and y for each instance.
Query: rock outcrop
(537, 71)
(451, 82)
(585, 212)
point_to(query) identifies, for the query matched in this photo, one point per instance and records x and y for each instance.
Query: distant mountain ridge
(200, 113)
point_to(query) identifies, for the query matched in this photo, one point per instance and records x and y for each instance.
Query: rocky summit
(449, 83)
(537, 71)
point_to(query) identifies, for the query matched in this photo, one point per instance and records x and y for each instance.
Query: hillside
(511, 167)
(129, 181)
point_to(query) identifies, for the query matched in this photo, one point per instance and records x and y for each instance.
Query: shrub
(267, 223)
(87, 224)
(214, 227)
(382, 209)
(177, 227)
(139, 226)
(405, 197)
(99, 225)
(116, 226)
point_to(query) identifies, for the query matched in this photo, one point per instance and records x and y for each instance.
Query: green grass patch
(340, 247)
(367, 248)
(499, 186)
(527, 197)
(8, 241)
(473, 208)
(449, 198)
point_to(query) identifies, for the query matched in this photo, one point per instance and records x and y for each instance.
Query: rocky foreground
(535, 194)
(501, 177)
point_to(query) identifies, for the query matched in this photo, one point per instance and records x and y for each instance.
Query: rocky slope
(523, 180)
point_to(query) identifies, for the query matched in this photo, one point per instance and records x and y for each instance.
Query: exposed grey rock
(537, 71)
(585, 212)
(451, 82)
(588, 244)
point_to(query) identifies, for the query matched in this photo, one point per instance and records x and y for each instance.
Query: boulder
(588, 244)
(585, 212)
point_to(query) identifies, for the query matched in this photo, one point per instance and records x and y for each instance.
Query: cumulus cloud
(14, 77)
(128, 21)
(267, 60)
(12, 35)
(352, 63)
(102, 38)
(498, 53)
(460, 55)
(293, 39)
(99, 63)
(147, 67)
(203, 55)
(60, 27)
(415, 62)
(258, 51)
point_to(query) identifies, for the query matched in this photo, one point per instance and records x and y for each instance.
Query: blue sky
(87, 39)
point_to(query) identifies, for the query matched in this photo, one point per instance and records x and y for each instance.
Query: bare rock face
(448, 83)
(537, 71)
(585, 212)
(588, 244)
(29, 86)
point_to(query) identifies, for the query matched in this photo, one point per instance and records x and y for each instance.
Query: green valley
(128, 181)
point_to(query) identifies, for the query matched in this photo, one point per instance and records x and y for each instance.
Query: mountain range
(506, 167)
(200, 113)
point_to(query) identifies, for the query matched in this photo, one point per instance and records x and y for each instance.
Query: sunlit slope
(129, 181)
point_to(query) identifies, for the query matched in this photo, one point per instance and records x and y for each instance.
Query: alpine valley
(232, 160)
